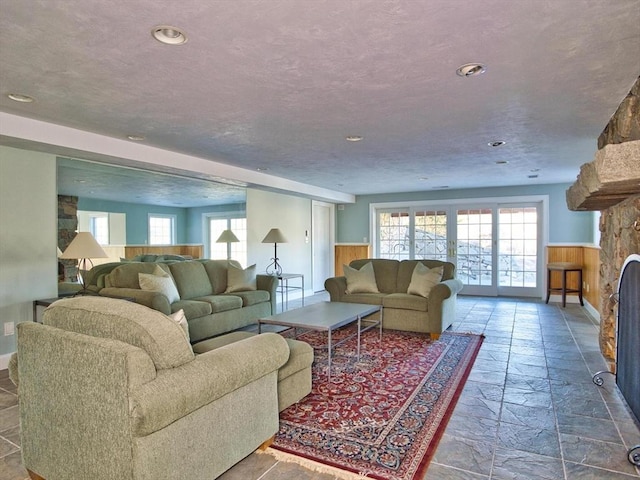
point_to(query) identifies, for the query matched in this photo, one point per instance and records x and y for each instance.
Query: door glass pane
(431, 235)
(474, 246)
(394, 235)
(518, 247)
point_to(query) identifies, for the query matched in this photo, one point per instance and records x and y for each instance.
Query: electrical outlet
(9, 328)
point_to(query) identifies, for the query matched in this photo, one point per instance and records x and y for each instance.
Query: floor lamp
(83, 248)
(274, 236)
(227, 236)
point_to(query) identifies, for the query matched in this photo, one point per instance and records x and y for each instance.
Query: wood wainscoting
(195, 251)
(345, 253)
(589, 258)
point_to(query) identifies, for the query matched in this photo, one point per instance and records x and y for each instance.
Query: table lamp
(83, 248)
(227, 236)
(274, 236)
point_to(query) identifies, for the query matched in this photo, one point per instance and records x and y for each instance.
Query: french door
(495, 247)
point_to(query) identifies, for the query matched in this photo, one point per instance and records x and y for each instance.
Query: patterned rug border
(286, 455)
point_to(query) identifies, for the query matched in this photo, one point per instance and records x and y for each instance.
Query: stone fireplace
(611, 184)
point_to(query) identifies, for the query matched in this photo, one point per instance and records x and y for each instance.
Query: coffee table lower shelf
(327, 317)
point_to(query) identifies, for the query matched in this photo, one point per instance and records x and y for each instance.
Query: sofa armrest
(176, 392)
(270, 284)
(154, 300)
(336, 286)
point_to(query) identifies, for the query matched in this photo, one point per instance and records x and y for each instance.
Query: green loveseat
(201, 285)
(109, 389)
(401, 310)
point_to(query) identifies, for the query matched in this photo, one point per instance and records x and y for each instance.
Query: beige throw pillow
(361, 281)
(239, 280)
(424, 279)
(181, 320)
(159, 281)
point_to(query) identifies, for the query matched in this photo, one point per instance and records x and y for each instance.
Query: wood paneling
(346, 253)
(196, 251)
(589, 258)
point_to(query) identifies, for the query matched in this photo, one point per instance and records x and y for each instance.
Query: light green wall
(565, 226)
(292, 215)
(28, 237)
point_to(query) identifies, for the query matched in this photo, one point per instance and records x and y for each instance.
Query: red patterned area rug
(381, 417)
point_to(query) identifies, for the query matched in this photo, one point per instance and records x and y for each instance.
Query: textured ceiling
(277, 85)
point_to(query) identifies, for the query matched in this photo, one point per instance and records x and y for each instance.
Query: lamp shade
(59, 252)
(274, 236)
(84, 246)
(227, 236)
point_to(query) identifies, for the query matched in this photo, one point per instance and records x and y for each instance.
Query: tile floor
(528, 411)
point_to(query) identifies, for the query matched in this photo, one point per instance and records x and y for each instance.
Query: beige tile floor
(528, 411)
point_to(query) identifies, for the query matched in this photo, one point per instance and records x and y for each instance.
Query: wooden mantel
(613, 176)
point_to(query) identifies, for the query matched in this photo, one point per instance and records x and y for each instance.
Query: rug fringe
(312, 465)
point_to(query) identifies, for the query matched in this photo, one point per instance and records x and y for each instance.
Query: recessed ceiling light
(424, 178)
(169, 35)
(471, 69)
(497, 143)
(354, 138)
(502, 162)
(534, 170)
(136, 138)
(17, 97)
(532, 176)
(262, 169)
(441, 187)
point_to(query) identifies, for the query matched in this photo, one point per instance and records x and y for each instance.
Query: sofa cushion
(361, 280)
(126, 275)
(180, 318)
(239, 279)
(222, 303)
(368, 298)
(386, 272)
(406, 268)
(217, 272)
(159, 281)
(405, 301)
(128, 322)
(424, 279)
(192, 308)
(253, 297)
(191, 279)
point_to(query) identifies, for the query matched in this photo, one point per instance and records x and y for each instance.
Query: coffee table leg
(359, 328)
(329, 353)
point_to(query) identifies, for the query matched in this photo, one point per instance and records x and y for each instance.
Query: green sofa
(401, 310)
(201, 285)
(109, 389)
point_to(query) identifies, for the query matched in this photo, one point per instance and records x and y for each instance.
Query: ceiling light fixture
(354, 138)
(497, 143)
(169, 35)
(136, 138)
(262, 169)
(17, 97)
(532, 176)
(502, 162)
(471, 70)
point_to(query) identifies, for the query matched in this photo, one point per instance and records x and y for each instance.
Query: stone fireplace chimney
(611, 184)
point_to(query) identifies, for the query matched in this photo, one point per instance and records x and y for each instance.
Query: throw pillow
(159, 281)
(181, 320)
(239, 280)
(361, 281)
(424, 279)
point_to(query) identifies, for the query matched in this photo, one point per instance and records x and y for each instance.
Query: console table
(284, 288)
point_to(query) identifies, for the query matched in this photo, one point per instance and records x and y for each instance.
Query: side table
(284, 288)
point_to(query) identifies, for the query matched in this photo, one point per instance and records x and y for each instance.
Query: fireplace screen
(628, 336)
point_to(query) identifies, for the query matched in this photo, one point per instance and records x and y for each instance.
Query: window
(233, 250)
(99, 228)
(162, 229)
